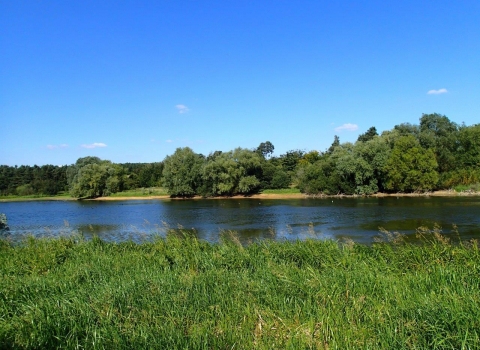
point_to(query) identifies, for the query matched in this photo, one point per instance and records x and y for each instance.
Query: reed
(180, 292)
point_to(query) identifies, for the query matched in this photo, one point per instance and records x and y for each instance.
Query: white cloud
(52, 146)
(182, 109)
(347, 127)
(94, 145)
(437, 92)
(63, 145)
(169, 141)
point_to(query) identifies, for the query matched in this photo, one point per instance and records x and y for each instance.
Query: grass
(180, 292)
(282, 191)
(61, 195)
(468, 188)
(142, 192)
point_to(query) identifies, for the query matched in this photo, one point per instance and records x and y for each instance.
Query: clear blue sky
(130, 81)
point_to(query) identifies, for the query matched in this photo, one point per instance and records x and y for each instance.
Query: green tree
(335, 143)
(369, 135)
(290, 160)
(265, 149)
(310, 158)
(95, 180)
(410, 168)
(73, 170)
(273, 176)
(234, 172)
(182, 172)
(440, 134)
(320, 178)
(468, 149)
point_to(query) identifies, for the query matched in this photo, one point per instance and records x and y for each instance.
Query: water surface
(358, 219)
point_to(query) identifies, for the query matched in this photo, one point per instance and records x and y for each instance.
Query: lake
(358, 219)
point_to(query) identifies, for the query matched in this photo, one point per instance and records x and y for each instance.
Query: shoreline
(442, 193)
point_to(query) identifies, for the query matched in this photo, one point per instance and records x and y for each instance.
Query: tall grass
(180, 292)
(292, 190)
(142, 192)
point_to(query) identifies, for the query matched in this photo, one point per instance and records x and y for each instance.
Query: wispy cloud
(437, 92)
(94, 145)
(169, 141)
(347, 127)
(182, 109)
(63, 145)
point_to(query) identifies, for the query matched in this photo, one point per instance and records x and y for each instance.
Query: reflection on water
(358, 219)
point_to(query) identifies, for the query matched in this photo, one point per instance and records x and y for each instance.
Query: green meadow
(181, 293)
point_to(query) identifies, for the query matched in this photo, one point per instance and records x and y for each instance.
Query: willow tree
(233, 172)
(96, 180)
(182, 172)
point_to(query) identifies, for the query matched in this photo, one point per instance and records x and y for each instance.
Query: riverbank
(299, 196)
(179, 292)
(119, 197)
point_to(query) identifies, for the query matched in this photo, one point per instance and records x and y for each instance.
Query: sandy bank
(301, 195)
(444, 193)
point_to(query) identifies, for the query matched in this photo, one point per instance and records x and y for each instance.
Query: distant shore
(443, 193)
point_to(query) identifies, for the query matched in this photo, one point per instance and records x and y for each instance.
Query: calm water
(355, 218)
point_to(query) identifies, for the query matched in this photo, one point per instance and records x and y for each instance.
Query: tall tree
(335, 143)
(410, 168)
(367, 136)
(440, 134)
(182, 172)
(232, 172)
(265, 149)
(95, 180)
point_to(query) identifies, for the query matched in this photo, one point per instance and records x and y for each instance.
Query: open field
(179, 292)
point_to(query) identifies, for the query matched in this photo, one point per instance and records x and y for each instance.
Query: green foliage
(273, 176)
(335, 143)
(291, 190)
(25, 190)
(234, 172)
(471, 188)
(310, 158)
(32, 180)
(141, 175)
(369, 135)
(460, 177)
(182, 172)
(468, 150)
(322, 178)
(349, 169)
(73, 170)
(95, 180)
(410, 168)
(265, 149)
(440, 134)
(142, 192)
(290, 160)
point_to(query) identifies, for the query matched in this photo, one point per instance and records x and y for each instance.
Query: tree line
(51, 180)
(434, 154)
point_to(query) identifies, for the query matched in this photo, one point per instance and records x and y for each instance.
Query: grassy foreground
(179, 292)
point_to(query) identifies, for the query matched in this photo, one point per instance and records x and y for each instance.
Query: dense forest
(435, 154)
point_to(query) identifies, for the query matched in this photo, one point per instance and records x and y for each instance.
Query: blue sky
(130, 81)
